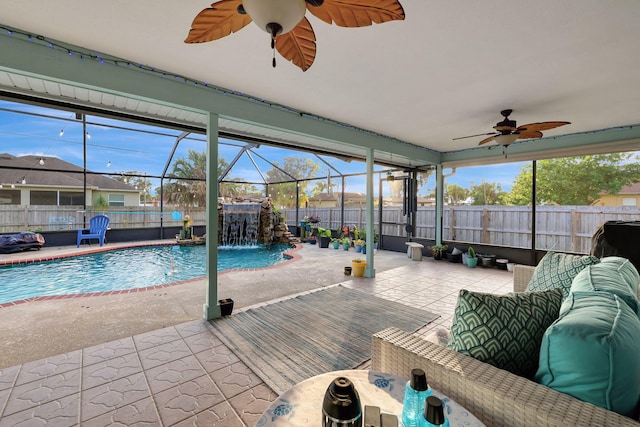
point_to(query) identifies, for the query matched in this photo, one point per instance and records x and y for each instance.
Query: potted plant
(358, 243)
(185, 233)
(358, 265)
(346, 242)
(336, 242)
(472, 259)
(325, 237)
(437, 251)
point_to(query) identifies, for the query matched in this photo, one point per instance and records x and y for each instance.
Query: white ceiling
(445, 71)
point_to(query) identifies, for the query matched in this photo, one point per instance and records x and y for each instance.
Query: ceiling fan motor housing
(505, 126)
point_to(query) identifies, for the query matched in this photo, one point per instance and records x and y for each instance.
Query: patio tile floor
(183, 375)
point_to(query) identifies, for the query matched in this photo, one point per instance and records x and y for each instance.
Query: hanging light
(61, 132)
(276, 16)
(109, 163)
(41, 161)
(505, 140)
(88, 136)
(23, 181)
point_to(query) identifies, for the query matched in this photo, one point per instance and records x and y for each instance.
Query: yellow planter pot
(358, 268)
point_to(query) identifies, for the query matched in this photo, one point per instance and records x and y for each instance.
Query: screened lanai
(161, 167)
(142, 173)
(88, 77)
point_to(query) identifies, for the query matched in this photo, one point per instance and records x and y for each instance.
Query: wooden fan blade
(217, 21)
(473, 136)
(484, 141)
(358, 13)
(298, 45)
(528, 134)
(541, 126)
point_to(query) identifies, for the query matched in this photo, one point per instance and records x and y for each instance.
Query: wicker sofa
(495, 396)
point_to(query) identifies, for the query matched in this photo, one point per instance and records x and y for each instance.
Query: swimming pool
(126, 269)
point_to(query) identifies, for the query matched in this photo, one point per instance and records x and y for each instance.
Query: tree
(283, 193)
(487, 193)
(576, 180)
(238, 188)
(187, 184)
(324, 186)
(455, 194)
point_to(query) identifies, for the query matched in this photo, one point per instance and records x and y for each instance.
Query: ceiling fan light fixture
(286, 13)
(507, 139)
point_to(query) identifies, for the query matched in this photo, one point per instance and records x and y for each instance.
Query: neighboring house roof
(630, 189)
(29, 168)
(627, 189)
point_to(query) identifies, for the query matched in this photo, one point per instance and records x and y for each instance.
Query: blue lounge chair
(97, 229)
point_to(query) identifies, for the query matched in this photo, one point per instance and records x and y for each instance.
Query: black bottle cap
(418, 380)
(341, 400)
(433, 411)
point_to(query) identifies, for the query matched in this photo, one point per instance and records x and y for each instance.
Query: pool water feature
(240, 223)
(129, 268)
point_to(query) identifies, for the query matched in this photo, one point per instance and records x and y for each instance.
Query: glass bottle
(433, 414)
(415, 394)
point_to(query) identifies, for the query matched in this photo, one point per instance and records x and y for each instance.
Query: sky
(112, 149)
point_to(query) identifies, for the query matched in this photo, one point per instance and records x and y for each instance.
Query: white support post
(439, 202)
(211, 308)
(370, 270)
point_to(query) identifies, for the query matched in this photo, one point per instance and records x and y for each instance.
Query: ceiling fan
(285, 21)
(507, 133)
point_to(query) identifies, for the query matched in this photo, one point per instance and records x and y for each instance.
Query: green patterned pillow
(557, 270)
(504, 330)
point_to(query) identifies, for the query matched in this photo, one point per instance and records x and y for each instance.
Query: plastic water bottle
(415, 394)
(433, 414)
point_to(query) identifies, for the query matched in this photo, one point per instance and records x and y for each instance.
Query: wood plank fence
(14, 219)
(558, 228)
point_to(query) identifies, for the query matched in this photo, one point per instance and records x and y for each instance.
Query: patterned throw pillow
(504, 330)
(557, 270)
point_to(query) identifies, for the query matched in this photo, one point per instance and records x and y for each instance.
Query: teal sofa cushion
(504, 330)
(592, 352)
(557, 270)
(612, 274)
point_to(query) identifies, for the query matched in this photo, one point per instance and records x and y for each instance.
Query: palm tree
(188, 180)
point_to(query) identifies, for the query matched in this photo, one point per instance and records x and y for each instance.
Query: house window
(68, 198)
(629, 201)
(9, 197)
(116, 199)
(43, 198)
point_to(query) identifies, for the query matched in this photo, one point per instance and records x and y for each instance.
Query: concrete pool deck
(149, 357)
(37, 329)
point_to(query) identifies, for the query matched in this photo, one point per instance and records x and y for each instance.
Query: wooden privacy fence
(558, 228)
(14, 219)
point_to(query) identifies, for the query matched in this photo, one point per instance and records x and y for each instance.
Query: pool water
(127, 269)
